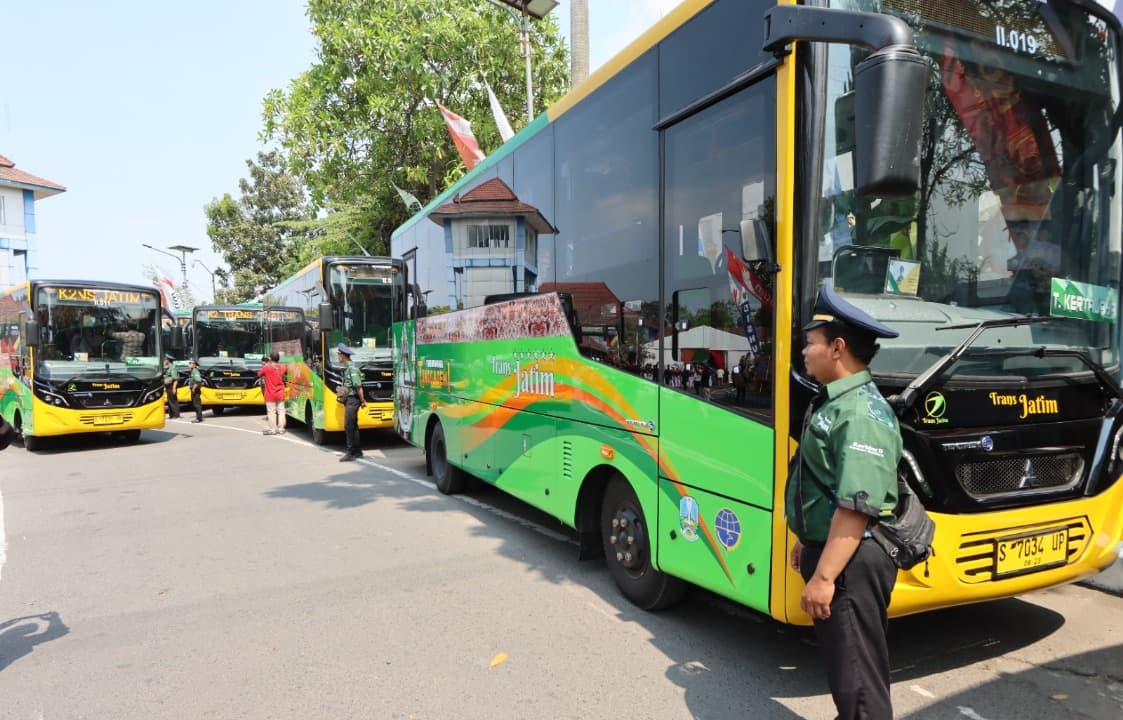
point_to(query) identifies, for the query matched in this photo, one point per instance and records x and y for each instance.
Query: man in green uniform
(171, 384)
(195, 382)
(845, 482)
(353, 382)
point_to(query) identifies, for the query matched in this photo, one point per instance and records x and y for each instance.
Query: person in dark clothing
(195, 382)
(846, 481)
(171, 384)
(353, 383)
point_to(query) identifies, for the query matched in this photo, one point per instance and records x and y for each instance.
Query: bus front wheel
(628, 550)
(319, 437)
(449, 478)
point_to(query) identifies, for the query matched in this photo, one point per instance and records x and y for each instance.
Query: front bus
(81, 357)
(958, 180)
(230, 344)
(1001, 274)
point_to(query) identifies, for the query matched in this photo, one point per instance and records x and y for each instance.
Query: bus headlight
(152, 395)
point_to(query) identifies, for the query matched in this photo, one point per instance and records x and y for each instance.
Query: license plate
(231, 396)
(108, 420)
(1032, 552)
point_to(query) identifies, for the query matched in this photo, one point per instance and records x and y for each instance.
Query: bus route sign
(1083, 301)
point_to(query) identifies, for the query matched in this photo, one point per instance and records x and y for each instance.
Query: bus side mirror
(177, 338)
(889, 86)
(756, 241)
(31, 332)
(326, 319)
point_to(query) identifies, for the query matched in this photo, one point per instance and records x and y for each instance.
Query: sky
(146, 111)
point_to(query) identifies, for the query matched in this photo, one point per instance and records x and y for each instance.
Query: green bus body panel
(16, 397)
(524, 411)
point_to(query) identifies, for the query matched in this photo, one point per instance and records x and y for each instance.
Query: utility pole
(578, 41)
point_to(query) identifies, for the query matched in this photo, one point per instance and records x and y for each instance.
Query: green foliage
(364, 115)
(264, 235)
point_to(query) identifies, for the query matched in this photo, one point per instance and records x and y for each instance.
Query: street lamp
(214, 293)
(537, 9)
(183, 250)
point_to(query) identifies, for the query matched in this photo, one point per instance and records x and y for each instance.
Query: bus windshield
(240, 337)
(86, 331)
(1018, 210)
(363, 297)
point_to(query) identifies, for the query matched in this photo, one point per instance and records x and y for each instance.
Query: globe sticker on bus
(688, 518)
(728, 528)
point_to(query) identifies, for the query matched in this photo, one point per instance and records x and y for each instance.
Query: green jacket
(851, 444)
(352, 379)
(195, 379)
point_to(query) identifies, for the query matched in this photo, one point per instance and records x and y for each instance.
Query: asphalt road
(211, 572)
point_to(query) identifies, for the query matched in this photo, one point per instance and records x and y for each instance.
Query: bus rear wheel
(628, 549)
(450, 479)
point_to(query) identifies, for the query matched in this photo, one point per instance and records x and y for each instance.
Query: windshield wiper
(903, 401)
(1106, 380)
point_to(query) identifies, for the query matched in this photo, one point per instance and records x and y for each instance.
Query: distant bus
(230, 342)
(180, 319)
(78, 356)
(350, 300)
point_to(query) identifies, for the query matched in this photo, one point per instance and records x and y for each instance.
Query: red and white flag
(167, 290)
(501, 121)
(461, 132)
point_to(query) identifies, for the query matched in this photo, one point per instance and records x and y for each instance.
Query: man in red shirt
(274, 391)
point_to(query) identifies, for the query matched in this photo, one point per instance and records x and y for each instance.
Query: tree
(264, 235)
(364, 116)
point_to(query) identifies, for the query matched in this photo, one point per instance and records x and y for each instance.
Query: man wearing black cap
(171, 383)
(353, 384)
(846, 479)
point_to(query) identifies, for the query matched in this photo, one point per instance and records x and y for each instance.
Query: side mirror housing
(756, 241)
(31, 332)
(327, 322)
(889, 86)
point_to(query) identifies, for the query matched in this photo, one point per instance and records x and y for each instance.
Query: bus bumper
(53, 421)
(1010, 552)
(248, 396)
(374, 416)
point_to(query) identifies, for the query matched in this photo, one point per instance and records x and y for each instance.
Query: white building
(18, 192)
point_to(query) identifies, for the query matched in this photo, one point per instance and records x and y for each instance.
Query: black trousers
(853, 638)
(173, 402)
(351, 426)
(197, 402)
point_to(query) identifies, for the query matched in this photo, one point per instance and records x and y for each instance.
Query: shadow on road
(1067, 687)
(19, 637)
(752, 663)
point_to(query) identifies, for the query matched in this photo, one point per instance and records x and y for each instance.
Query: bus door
(716, 400)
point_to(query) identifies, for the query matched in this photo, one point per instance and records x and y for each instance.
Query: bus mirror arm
(889, 86)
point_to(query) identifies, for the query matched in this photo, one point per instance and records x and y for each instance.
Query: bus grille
(378, 390)
(976, 558)
(105, 400)
(1032, 475)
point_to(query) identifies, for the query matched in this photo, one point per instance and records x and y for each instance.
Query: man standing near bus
(195, 382)
(171, 384)
(353, 385)
(845, 481)
(273, 393)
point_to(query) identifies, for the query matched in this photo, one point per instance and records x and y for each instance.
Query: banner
(461, 132)
(739, 283)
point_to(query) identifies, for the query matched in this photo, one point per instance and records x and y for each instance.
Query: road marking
(921, 691)
(969, 713)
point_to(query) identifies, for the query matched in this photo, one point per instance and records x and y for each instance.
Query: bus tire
(217, 410)
(319, 437)
(450, 479)
(628, 549)
(129, 436)
(32, 443)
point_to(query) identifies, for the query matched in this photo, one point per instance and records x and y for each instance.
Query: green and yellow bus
(230, 341)
(953, 168)
(177, 343)
(78, 356)
(350, 300)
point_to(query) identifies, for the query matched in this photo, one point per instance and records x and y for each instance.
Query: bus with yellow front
(79, 356)
(230, 343)
(952, 168)
(354, 300)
